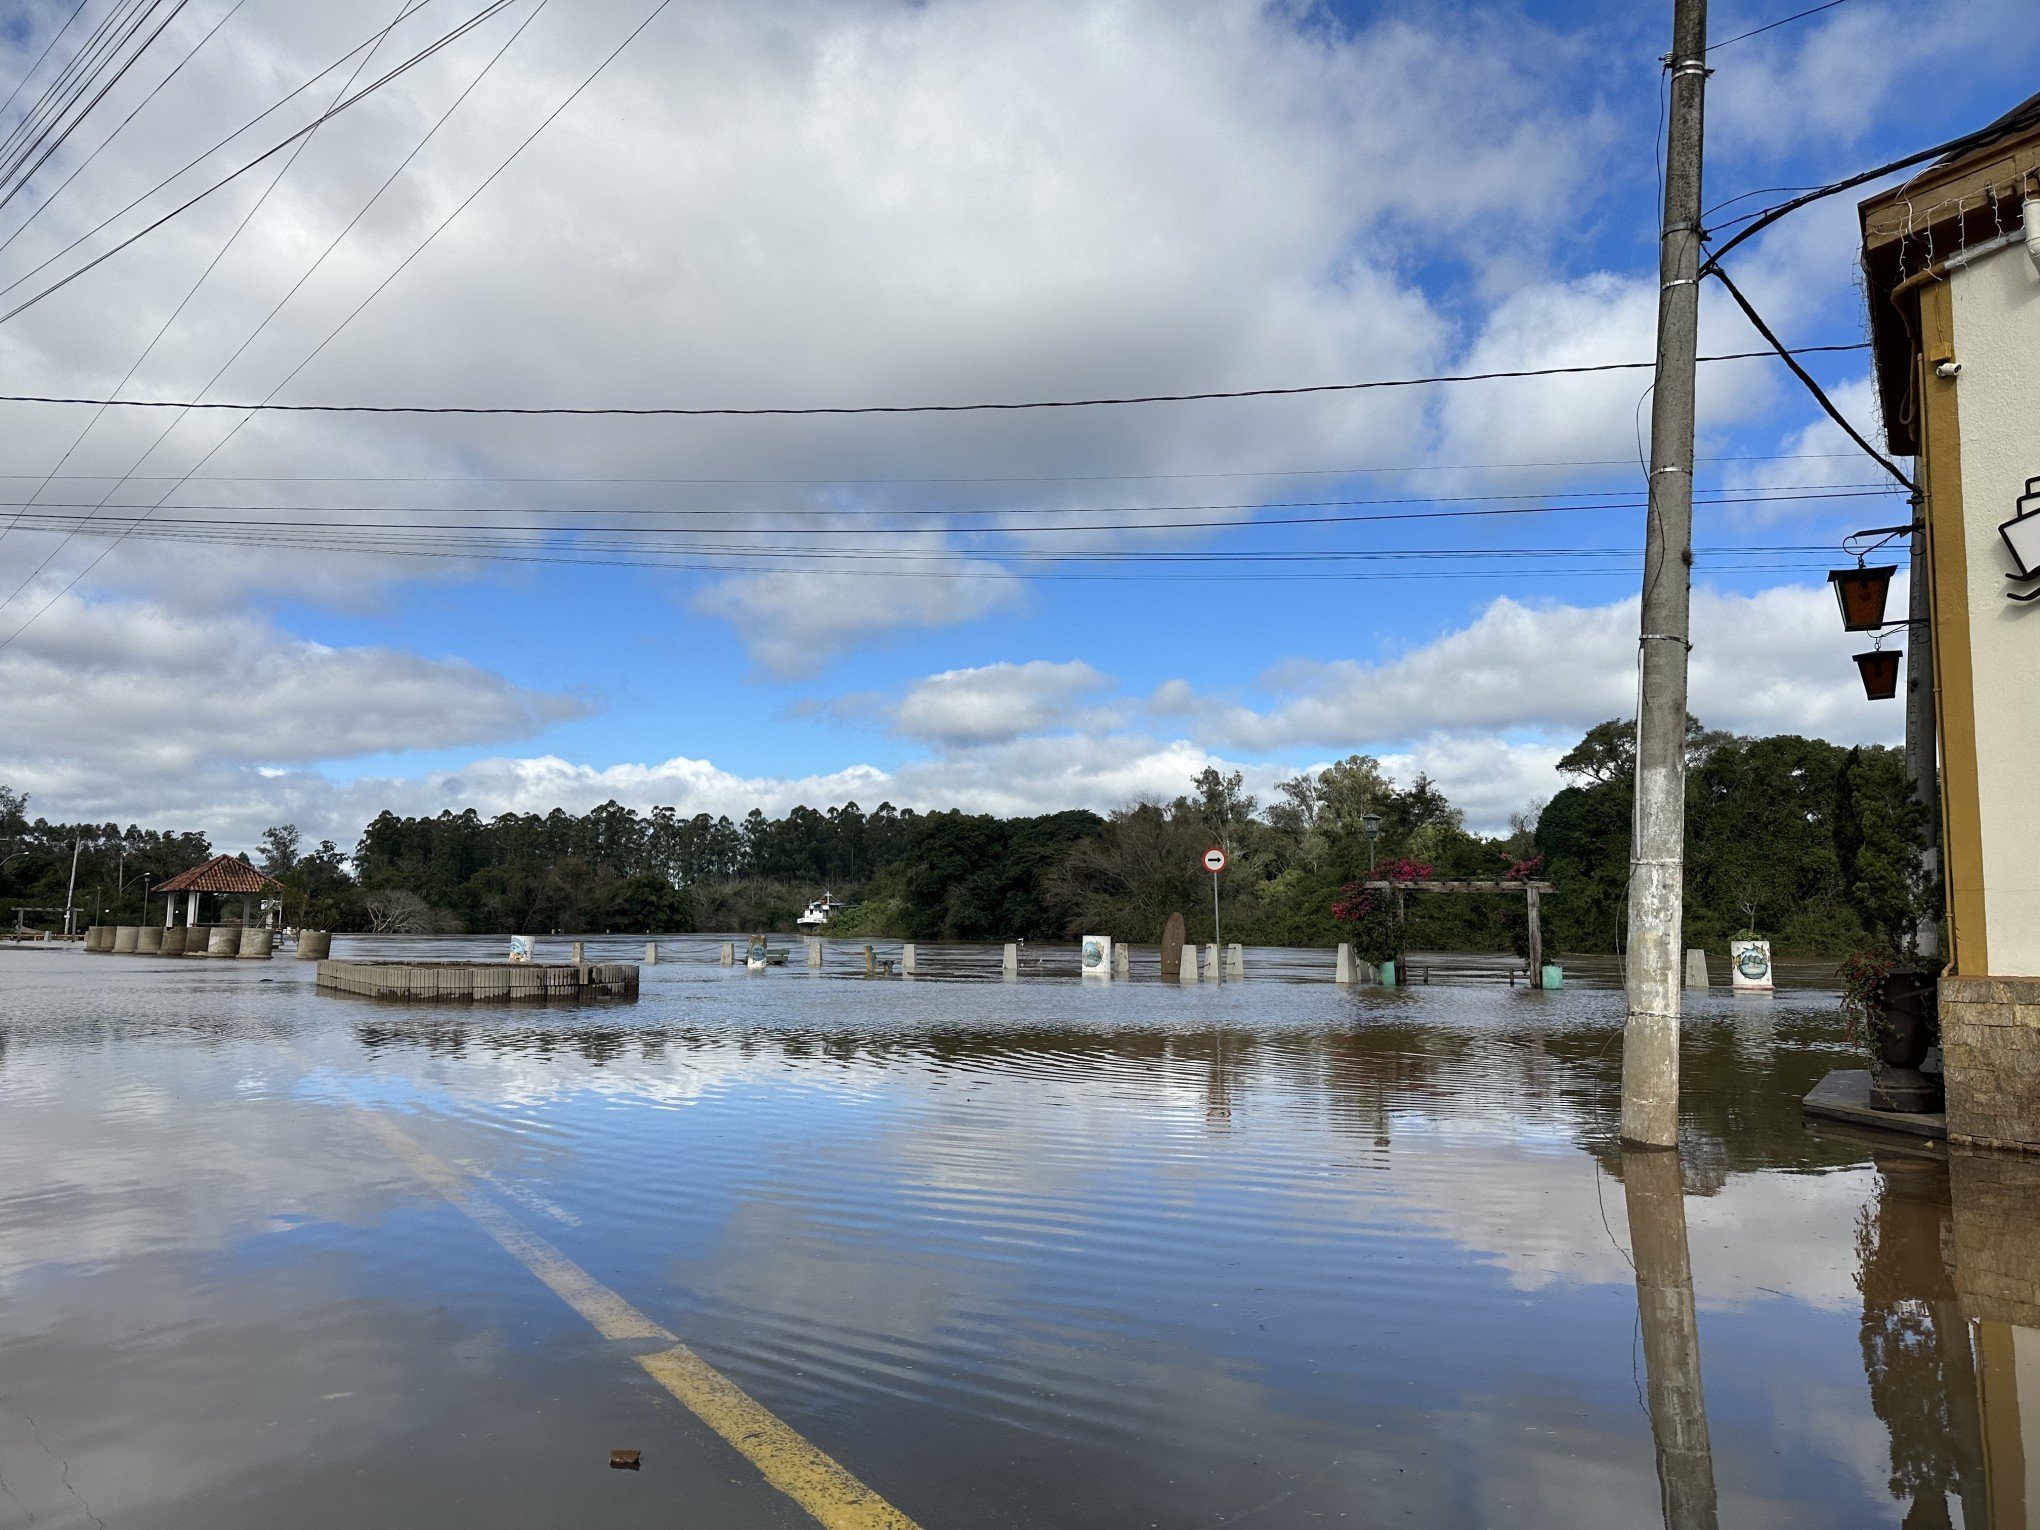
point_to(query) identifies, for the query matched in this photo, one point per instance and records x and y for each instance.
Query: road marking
(784, 1457)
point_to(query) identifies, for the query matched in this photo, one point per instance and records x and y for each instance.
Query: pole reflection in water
(1653, 1189)
(1996, 1243)
(1916, 1344)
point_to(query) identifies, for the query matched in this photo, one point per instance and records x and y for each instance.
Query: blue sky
(877, 202)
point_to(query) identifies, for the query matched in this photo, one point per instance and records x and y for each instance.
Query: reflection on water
(1044, 1252)
(1654, 1191)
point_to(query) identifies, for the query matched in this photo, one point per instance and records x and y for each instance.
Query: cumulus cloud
(815, 203)
(1773, 662)
(121, 690)
(1835, 78)
(995, 702)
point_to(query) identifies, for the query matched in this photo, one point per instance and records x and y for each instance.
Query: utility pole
(71, 891)
(1922, 752)
(1657, 863)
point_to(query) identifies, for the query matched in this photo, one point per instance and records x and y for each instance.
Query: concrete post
(1122, 961)
(1186, 970)
(1212, 973)
(1236, 962)
(257, 944)
(870, 963)
(579, 956)
(190, 910)
(169, 911)
(729, 953)
(1535, 917)
(1650, 1036)
(814, 951)
(314, 945)
(223, 940)
(1342, 970)
(907, 958)
(1696, 967)
(651, 953)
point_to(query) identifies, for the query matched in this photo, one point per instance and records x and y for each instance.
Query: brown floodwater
(1045, 1252)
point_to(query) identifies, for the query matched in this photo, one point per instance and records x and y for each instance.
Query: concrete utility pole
(71, 891)
(1657, 864)
(1922, 752)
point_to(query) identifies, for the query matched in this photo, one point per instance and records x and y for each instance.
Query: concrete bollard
(173, 941)
(1122, 961)
(1009, 964)
(1186, 970)
(314, 945)
(223, 940)
(1696, 967)
(1212, 974)
(1342, 969)
(907, 959)
(124, 938)
(814, 950)
(257, 945)
(729, 953)
(651, 953)
(1236, 962)
(150, 941)
(92, 936)
(578, 955)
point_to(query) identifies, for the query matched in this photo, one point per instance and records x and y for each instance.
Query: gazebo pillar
(191, 908)
(244, 911)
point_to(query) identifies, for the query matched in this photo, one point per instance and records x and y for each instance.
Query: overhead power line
(262, 158)
(46, 515)
(55, 38)
(1270, 472)
(1774, 25)
(672, 411)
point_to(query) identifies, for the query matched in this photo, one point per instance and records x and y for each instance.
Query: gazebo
(224, 876)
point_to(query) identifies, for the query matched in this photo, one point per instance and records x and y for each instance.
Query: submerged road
(942, 1254)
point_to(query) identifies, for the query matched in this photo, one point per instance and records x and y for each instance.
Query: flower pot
(1909, 1014)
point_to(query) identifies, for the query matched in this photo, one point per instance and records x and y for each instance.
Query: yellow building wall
(1995, 307)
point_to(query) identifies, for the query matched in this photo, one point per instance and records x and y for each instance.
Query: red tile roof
(221, 874)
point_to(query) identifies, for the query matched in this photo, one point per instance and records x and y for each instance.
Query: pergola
(224, 876)
(1527, 887)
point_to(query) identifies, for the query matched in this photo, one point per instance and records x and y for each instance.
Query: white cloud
(1832, 80)
(1773, 662)
(995, 702)
(123, 692)
(818, 202)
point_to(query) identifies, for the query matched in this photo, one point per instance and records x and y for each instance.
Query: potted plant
(1891, 1002)
(1377, 916)
(1889, 985)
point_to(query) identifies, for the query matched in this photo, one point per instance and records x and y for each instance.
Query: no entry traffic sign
(1214, 860)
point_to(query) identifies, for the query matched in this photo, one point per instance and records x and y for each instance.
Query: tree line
(1798, 839)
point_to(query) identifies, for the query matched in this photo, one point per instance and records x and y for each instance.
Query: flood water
(1042, 1252)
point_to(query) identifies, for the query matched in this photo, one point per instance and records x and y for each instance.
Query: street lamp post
(1371, 822)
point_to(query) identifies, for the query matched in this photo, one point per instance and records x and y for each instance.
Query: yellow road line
(784, 1457)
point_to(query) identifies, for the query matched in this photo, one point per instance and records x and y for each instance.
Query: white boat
(818, 913)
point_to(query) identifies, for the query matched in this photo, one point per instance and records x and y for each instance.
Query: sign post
(1214, 862)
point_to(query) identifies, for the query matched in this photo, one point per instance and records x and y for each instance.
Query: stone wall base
(1990, 1049)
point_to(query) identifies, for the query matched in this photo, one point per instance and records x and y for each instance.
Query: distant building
(1951, 261)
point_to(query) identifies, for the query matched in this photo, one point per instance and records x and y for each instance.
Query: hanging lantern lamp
(1861, 593)
(1879, 668)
